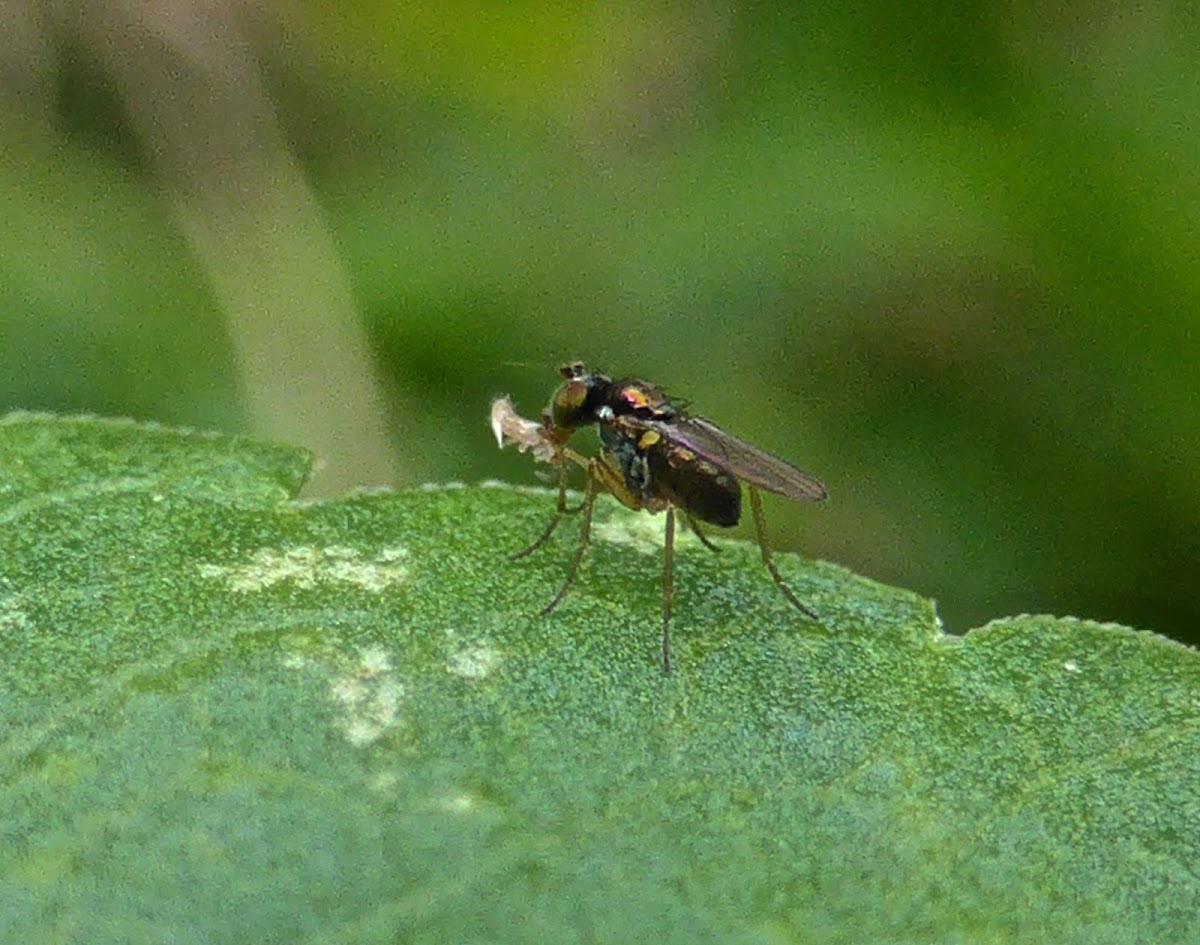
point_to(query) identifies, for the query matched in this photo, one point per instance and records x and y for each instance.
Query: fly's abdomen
(704, 490)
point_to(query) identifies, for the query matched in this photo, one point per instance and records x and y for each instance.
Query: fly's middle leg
(668, 587)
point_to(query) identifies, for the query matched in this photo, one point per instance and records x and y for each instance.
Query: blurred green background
(946, 257)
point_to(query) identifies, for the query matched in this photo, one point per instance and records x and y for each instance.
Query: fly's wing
(748, 463)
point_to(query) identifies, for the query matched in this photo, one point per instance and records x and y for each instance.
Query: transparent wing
(749, 463)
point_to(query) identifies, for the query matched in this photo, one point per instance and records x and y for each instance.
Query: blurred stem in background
(190, 84)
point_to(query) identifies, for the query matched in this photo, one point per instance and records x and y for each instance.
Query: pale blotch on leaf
(368, 696)
(642, 532)
(12, 615)
(385, 782)
(1071, 666)
(459, 804)
(474, 662)
(307, 566)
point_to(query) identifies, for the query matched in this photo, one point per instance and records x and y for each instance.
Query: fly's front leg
(585, 534)
(760, 528)
(560, 509)
(601, 474)
(563, 455)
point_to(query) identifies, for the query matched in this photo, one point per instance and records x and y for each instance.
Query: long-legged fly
(654, 456)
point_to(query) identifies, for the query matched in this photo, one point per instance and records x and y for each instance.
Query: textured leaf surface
(227, 716)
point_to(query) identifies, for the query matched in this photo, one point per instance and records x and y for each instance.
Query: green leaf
(227, 716)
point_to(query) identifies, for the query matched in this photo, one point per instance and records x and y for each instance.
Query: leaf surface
(229, 716)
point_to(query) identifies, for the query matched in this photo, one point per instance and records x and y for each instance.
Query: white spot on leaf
(459, 804)
(385, 782)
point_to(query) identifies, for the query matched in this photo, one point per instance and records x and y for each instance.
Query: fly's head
(581, 400)
(586, 397)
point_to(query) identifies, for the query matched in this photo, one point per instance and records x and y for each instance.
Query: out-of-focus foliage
(943, 258)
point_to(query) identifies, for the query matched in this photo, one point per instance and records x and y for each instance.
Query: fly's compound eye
(567, 405)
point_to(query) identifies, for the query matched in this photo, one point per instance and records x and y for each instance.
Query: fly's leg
(760, 527)
(585, 534)
(560, 509)
(695, 527)
(668, 587)
(601, 474)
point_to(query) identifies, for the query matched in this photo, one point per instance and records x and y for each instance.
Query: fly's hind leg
(760, 528)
